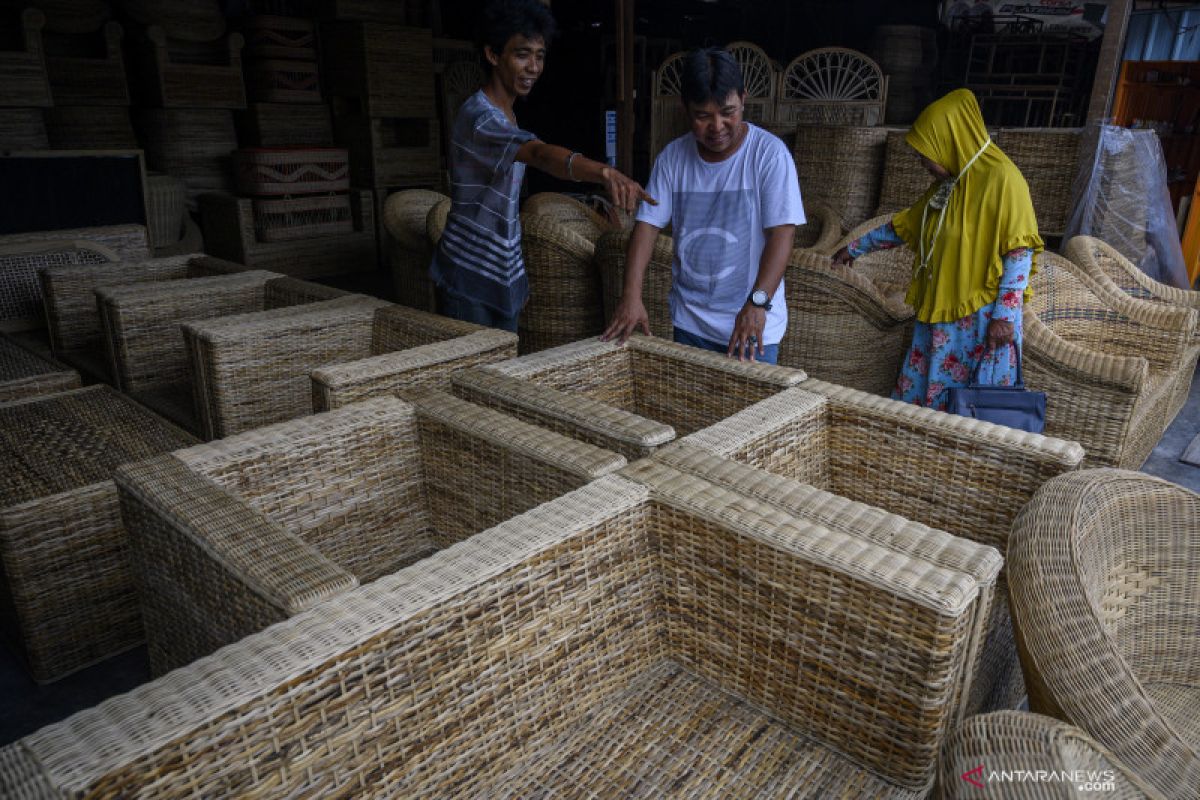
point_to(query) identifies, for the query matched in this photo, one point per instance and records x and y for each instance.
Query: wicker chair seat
(67, 581)
(23, 374)
(236, 535)
(562, 652)
(631, 399)
(1106, 602)
(868, 465)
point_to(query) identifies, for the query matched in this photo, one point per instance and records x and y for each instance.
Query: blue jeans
(770, 351)
(460, 308)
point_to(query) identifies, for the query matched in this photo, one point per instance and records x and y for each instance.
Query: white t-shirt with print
(718, 213)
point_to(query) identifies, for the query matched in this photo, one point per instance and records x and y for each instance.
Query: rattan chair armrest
(202, 266)
(284, 292)
(844, 283)
(693, 357)
(336, 385)
(831, 228)
(539, 232)
(1075, 364)
(862, 229)
(585, 461)
(1161, 316)
(555, 358)
(1085, 252)
(578, 417)
(21, 776)
(396, 327)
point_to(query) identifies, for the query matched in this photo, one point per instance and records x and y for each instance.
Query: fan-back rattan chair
(564, 653)
(565, 297)
(25, 374)
(68, 592)
(760, 79)
(986, 757)
(410, 250)
(611, 249)
(832, 86)
(668, 117)
(1104, 567)
(886, 456)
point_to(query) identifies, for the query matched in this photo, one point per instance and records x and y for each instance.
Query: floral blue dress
(944, 354)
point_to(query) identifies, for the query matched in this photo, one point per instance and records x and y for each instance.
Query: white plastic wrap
(1121, 197)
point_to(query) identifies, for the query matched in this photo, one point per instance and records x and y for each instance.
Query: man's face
(520, 64)
(716, 125)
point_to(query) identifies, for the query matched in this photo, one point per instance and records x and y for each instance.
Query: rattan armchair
(565, 296)
(1104, 567)
(73, 320)
(410, 250)
(564, 653)
(611, 249)
(841, 327)
(142, 324)
(24, 374)
(569, 212)
(1111, 365)
(821, 232)
(959, 475)
(983, 758)
(889, 270)
(234, 536)
(254, 369)
(67, 591)
(631, 399)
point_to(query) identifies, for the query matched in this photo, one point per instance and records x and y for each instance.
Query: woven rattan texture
(1048, 158)
(1103, 571)
(904, 179)
(20, 294)
(517, 649)
(1011, 741)
(565, 296)
(822, 230)
(841, 167)
(23, 374)
(62, 543)
(656, 285)
(1111, 365)
(410, 249)
(570, 213)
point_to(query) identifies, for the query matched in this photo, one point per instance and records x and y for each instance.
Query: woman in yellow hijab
(975, 238)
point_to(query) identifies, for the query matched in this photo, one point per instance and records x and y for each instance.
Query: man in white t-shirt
(730, 193)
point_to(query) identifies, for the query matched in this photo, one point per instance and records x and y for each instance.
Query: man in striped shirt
(478, 267)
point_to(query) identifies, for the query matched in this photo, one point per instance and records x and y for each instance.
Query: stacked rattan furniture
(23, 78)
(630, 398)
(1104, 567)
(285, 107)
(996, 757)
(25, 374)
(408, 247)
(67, 584)
(1111, 365)
(233, 536)
(560, 653)
(806, 449)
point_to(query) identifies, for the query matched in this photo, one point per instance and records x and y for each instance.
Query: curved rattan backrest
(668, 118)
(1008, 741)
(1075, 308)
(435, 220)
(889, 270)
(404, 215)
(832, 86)
(656, 286)
(1104, 570)
(822, 230)
(1106, 264)
(760, 79)
(569, 212)
(565, 299)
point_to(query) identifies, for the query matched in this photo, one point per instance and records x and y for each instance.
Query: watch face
(759, 298)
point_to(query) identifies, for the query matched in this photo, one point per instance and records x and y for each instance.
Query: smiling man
(477, 266)
(729, 190)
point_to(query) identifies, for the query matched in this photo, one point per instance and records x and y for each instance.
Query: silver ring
(753, 339)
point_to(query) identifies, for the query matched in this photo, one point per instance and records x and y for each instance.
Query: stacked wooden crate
(24, 86)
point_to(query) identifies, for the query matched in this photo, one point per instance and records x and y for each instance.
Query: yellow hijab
(988, 214)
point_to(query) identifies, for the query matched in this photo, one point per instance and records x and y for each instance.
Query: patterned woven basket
(279, 81)
(291, 170)
(302, 217)
(269, 36)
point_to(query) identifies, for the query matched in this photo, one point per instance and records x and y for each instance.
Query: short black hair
(710, 73)
(503, 19)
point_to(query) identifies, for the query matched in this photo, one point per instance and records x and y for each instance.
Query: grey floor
(27, 706)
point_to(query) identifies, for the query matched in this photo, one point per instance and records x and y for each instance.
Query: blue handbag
(1014, 406)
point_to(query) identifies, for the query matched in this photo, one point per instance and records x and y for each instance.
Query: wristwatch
(760, 299)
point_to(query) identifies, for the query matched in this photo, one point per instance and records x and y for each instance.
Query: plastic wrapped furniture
(1111, 365)
(565, 296)
(610, 258)
(979, 751)
(410, 251)
(142, 329)
(72, 318)
(1105, 577)
(234, 536)
(562, 653)
(67, 587)
(254, 369)
(24, 374)
(923, 465)
(841, 327)
(632, 398)
(569, 212)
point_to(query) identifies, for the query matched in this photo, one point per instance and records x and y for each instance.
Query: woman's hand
(746, 341)
(842, 257)
(999, 334)
(629, 316)
(624, 191)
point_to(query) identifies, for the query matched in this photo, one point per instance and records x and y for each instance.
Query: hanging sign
(1041, 16)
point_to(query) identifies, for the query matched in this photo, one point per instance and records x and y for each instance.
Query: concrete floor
(26, 707)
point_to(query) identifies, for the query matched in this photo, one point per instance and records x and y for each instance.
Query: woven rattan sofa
(73, 321)
(631, 399)
(409, 250)
(1111, 365)
(997, 757)
(233, 536)
(564, 653)
(24, 374)
(1104, 567)
(841, 327)
(142, 329)
(254, 369)
(959, 475)
(68, 595)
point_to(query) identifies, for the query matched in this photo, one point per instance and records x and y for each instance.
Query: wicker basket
(23, 79)
(302, 217)
(270, 36)
(291, 170)
(279, 81)
(842, 167)
(284, 125)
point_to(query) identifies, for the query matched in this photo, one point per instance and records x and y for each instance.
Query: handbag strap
(1020, 384)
